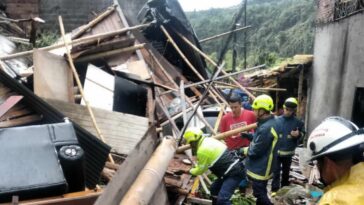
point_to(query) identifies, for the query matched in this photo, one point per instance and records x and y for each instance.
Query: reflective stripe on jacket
(214, 155)
(288, 143)
(348, 190)
(262, 152)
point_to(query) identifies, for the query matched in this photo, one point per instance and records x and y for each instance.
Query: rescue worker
(214, 155)
(337, 145)
(262, 151)
(291, 133)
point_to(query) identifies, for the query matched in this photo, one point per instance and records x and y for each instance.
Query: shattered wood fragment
(121, 131)
(109, 53)
(28, 119)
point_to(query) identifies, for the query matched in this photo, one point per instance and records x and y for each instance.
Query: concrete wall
(74, 12)
(337, 70)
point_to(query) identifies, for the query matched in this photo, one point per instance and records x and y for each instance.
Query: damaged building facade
(336, 82)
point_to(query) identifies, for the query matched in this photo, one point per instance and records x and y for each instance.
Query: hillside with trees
(280, 29)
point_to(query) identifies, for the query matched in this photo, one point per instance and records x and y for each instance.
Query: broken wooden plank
(52, 77)
(121, 131)
(106, 54)
(77, 198)
(9, 103)
(16, 113)
(21, 121)
(129, 170)
(99, 83)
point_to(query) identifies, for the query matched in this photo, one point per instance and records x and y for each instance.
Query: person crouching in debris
(214, 155)
(337, 145)
(262, 151)
(291, 133)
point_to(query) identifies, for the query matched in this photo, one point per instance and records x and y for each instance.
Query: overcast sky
(190, 5)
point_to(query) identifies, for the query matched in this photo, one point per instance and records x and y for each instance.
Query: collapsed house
(133, 71)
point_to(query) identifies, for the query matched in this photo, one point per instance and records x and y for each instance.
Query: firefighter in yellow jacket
(337, 145)
(214, 155)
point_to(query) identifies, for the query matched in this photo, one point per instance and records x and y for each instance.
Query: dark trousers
(222, 189)
(260, 192)
(284, 165)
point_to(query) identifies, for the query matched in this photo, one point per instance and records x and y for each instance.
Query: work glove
(244, 151)
(246, 135)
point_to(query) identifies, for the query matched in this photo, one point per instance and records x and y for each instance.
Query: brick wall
(19, 9)
(74, 12)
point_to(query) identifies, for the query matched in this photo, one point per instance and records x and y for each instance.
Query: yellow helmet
(192, 134)
(263, 102)
(291, 103)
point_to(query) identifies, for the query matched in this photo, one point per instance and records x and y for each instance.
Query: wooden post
(76, 42)
(183, 102)
(300, 92)
(70, 61)
(170, 39)
(215, 64)
(219, 117)
(222, 136)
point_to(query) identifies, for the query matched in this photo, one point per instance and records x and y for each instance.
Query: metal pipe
(148, 180)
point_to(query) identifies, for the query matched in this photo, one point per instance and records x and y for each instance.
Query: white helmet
(332, 135)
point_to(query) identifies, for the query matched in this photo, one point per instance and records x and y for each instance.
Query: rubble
(124, 88)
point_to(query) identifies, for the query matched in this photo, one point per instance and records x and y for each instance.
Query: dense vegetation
(281, 29)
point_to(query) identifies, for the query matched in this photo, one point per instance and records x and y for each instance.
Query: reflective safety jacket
(288, 144)
(348, 190)
(262, 152)
(214, 155)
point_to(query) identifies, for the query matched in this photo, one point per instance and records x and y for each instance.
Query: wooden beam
(80, 41)
(109, 53)
(20, 121)
(219, 117)
(300, 92)
(77, 198)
